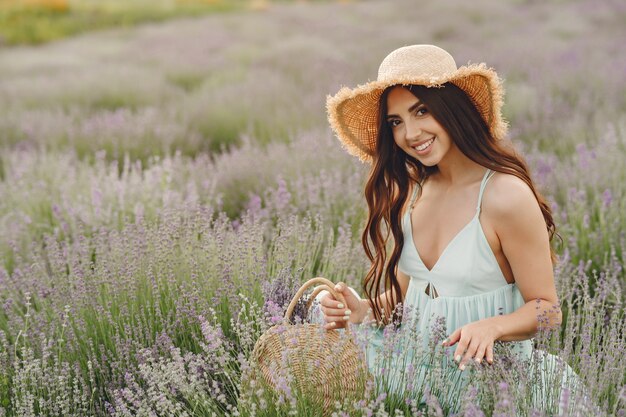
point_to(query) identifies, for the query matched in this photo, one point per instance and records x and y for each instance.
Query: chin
(427, 162)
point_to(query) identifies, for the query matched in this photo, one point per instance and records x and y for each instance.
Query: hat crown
(416, 61)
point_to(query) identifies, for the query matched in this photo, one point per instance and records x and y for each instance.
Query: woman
(471, 234)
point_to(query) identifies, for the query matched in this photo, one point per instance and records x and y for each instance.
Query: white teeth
(425, 145)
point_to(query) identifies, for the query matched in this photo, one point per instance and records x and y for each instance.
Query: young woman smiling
(471, 234)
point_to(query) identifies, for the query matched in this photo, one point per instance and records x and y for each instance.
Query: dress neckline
(445, 249)
(459, 233)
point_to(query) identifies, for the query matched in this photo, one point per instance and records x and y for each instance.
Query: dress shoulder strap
(483, 184)
(417, 188)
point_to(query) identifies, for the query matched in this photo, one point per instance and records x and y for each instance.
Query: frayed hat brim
(353, 113)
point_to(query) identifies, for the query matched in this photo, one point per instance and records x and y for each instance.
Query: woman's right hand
(337, 315)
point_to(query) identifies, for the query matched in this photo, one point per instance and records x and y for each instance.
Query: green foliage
(47, 21)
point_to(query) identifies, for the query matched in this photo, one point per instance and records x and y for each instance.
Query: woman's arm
(514, 212)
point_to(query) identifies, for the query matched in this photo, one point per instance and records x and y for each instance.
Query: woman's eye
(393, 122)
(421, 111)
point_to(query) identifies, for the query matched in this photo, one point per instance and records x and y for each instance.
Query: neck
(457, 169)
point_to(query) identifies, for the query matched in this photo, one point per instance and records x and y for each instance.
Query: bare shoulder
(508, 196)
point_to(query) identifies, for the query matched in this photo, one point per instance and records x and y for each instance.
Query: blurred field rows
(198, 86)
(150, 174)
(40, 21)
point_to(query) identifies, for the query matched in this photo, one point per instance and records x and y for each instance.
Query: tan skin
(510, 217)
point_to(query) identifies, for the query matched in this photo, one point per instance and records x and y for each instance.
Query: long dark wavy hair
(393, 170)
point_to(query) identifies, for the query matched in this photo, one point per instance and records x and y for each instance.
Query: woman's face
(414, 129)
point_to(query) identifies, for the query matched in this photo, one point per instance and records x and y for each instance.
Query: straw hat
(353, 113)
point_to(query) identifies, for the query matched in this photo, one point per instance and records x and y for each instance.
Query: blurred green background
(38, 21)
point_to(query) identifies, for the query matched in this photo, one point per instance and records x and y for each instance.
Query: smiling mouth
(424, 145)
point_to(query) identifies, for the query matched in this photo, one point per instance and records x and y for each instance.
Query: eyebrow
(413, 107)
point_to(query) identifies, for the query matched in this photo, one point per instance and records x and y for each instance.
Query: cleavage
(436, 224)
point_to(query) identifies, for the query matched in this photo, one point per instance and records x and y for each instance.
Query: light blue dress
(465, 285)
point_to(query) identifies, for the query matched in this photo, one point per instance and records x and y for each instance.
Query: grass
(36, 22)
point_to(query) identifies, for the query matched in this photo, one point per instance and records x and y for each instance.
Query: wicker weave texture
(321, 365)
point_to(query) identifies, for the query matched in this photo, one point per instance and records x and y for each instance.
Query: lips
(423, 144)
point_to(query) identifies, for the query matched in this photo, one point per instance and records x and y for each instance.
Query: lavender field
(165, 189)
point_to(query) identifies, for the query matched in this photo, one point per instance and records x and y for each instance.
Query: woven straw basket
(325, 366)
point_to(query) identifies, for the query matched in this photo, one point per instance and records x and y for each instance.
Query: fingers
(348, 293)
(470, 353)
(476, 351)
(490, 353)
(460, 351)
(452, 339)
(335, 318)
(343, 313)
(484, 351)
(328, 301)
(335, 325)
(474, 343)
(336, 315)
(481, 351)
(344, 290)
(334, 309)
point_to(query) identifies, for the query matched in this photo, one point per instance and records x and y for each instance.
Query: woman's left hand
(475, 342)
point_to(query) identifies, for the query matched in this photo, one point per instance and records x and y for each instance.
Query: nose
(413, 130)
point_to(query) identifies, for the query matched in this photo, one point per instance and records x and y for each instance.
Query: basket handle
(324, 284)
